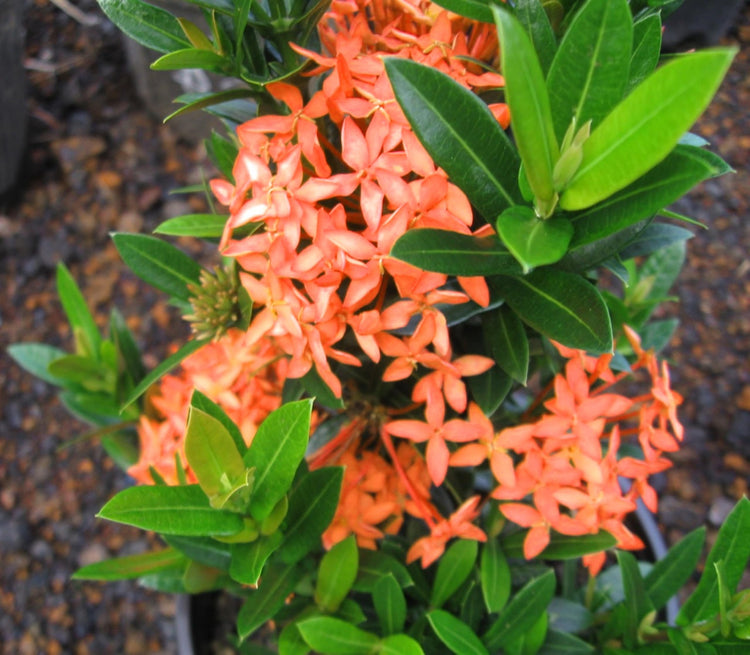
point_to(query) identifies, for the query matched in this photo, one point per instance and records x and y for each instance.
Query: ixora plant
(407, 422)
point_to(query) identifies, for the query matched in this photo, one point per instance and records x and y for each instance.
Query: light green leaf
(529, 104)
(399, 645)
(336, 574)
(171, 510)
(644, 128)
(495, 576)
(587, 78)
(460, 133)
(646, 49)
(36, 358)
(331, 636)
(150, 26)
(454, 567)
(509, 345)
(205, 404)
(531, 240)
(193, 58)
(276, 451)
(132, 566)
(195, 34)
(532, 15)
(443, 251)
(455, 634)
(390, 604)
(248, 559)
(158, 263)
(82, 323)
(204, 226)
(561, 306)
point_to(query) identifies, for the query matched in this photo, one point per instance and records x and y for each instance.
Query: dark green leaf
(336, 574)
(331, 636)
(87, 372)
(82, 324)
(495, 576)
(657, 334)
(637, 602)
(474, 9)
(646, 49)
(248, 559)
(223, 153)
(561, 643)
(123, 339)
(95, 408)
(443, 251)
(148, 25)
(643, 129)
(569, 616)
(455, 634)
(454, 567)
(132, 566)
(36, 358)
(170, 510)
(204, 226)
(222, 6)
(312, 505)
(490, 389)
(319, 390)
(375, 564)
(202, 549)
(562, 306)
(275, 452)
(167, 365)
(509, 345)
(262, 605)
(460, 133)
(562, 547)
(732, 547)
(521, 613)
(653, 238)
(122, 447)
(158, 263)
(390, 604)
(533, 241)
(590, 70)
(532, 15)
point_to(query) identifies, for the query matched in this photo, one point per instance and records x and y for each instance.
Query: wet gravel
(98, 162)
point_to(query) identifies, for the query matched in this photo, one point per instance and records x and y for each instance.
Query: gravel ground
(98, 162)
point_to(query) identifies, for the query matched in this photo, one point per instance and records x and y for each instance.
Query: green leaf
(643, 129)
(526, 95)
(193, 58)
(148, 25)
(508, 342)
(89, 373)
(212, 455)
(562, 306)
(561, 643)
(331, 636)
(202, 549)
(451, 253)
(198, 578)
(455, 566)
(276, 451)
(662, 269)
(204, 403)
(82, 324)
(562, 547)
(533, 17)
(374, 565)
(399, 645)
(223, 153)
(474, 9)
(590, 70)
(222, 6)
(291, 642)
(312, 505)
(123, 340)
(167, 365)
(36, 358)
(569, 616)
(336, 574)
(732, 547)
(122, 447)
(637, 602)
(533, 241)
(646, 49)
(158, 263)
(195, 34)
(132, 566)
(455, 634)
(656, 335)
(248, 559)
(521, 613)
(204, 226)
(276, 585)
(490, 389)
(390, 604)
(170, 510)
(317, 388)
(495, 576)
(460, 133)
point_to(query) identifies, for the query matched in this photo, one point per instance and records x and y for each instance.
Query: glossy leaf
(331, 636)
(36, 358)
(223, 153)
(193, 58)
(319, 390)
(643, 129)
(521, 613)
(444, 251)
(654, 237)
(205, 550)
(490, 389)
(646, 49)
(637, 602)
(150, 26)
(399, 645)
(375, 564)
(336, 574)
(455, 634)
(170, 510)
(526, 95)
(390, 604)
(531, 240)
(507, 339)
(732, 547)
(562, 547)
(312, 505)
(275, 452)
(262, 604)
(248, 559)
(474, 9)
(460, 133)
(158, 263)
(204, 226)
(453, 569)
(132, 566)
(81, 321)
(533, 16)
(205, 404)
(588, 76)
(495, 576)
(162, 369)
(562, 306)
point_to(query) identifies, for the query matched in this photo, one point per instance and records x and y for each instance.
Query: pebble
(719, 510)
(93, 553)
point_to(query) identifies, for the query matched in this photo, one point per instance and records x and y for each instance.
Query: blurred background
(82, 155)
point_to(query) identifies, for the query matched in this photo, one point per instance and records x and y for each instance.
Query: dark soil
(97, 162)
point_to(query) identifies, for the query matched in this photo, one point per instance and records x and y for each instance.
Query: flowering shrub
(405, 351)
